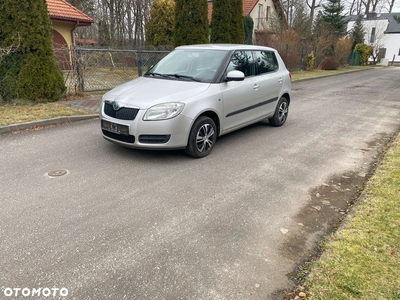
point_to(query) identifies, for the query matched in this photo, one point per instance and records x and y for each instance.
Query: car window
(266, 61)
(201, 65)
(242, 61)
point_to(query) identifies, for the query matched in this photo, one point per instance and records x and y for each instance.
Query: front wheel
(202, 137)
(281, 113)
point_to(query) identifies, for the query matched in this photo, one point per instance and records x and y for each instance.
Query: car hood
(145, 92)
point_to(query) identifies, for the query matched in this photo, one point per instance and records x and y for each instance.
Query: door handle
(256, 86)
(280, 80)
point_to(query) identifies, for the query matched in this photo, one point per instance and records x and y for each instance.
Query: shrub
(286, 42)
(34, 73)
(329, 63)
(40, 80)
(365, 51)
(343, 50)
(310, 61)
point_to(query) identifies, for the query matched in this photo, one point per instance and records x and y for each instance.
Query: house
(263, 12)
(382, 33)
(65, 18)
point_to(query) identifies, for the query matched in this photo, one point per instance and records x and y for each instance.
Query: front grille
(154, 139)
(124, 113)
(123, 138)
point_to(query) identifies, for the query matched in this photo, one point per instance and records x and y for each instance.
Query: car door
(240, 98)
(270, 79)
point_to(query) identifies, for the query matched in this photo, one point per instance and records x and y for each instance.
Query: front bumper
(165, 134)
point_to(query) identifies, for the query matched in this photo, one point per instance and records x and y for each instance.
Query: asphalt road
(129, 224)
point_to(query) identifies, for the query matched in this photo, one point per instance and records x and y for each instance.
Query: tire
(281, 113)
(202, 137)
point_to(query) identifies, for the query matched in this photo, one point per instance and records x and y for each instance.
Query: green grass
(27, 112)
(362, 260)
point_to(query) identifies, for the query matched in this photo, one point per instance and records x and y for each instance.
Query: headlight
(163, 111)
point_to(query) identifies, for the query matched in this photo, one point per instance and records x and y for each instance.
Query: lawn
(362, 260)
(27, 112)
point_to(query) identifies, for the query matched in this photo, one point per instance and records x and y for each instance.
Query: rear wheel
(202, 137)
(281, 113)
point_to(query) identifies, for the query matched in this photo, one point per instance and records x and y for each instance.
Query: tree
(248, 25)
(301, 21)
(220, 21)
(332, 15)
(313, 5)
(191, 24)
(237, 33)
(376, 42)
(34, 74)
(160, 26)
(357, 33)
(227, 22)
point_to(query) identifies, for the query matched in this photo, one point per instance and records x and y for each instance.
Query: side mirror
(235, 76)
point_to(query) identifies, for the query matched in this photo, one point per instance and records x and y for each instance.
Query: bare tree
(376, 40)
(116, 22)
(313, 5)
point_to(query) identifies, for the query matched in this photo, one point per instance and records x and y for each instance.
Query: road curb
(47, 122)
(331, 75)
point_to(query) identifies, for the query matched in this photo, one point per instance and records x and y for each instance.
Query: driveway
(129, 224)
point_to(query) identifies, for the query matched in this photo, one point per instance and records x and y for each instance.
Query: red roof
(62, 10)
(248, 6)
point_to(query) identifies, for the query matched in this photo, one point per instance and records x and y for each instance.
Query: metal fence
(102, 69)
(92, 69)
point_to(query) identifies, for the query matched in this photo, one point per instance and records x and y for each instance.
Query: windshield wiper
(156, 74)
(182, 76)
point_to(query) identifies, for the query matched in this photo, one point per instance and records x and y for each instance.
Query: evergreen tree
(248, 25)
(357, 33)
(332, 15)
(191, 23)
(34, 74)
(160, 26)
(301, 20)
(220, 21)
(237, 33)
(227, 22)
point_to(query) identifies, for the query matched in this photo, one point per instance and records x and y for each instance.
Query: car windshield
(189, 64)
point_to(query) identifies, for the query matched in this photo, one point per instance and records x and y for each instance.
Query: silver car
(195, 94)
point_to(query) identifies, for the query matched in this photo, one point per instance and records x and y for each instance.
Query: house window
(267, 13)
(373, 32)
(260, 11)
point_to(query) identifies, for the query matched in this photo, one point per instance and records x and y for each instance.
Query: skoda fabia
(195, 94)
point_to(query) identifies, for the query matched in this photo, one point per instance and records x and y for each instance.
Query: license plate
(114, 127)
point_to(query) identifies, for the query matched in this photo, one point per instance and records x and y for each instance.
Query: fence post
(315, 56)
(79, 72)
(139, 54)
(302, 58)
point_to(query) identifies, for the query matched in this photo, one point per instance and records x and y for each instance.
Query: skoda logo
(115, 105)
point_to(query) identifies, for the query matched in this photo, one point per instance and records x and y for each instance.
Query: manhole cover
(56, 173)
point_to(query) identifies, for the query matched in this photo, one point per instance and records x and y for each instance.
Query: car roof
(226, 47)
